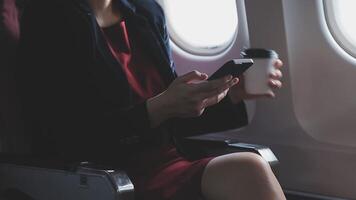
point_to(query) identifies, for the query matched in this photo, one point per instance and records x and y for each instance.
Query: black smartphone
(235, 67)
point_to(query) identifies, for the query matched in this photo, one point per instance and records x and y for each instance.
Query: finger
(219, 90)
(278, 64)
(216, 99)
(277, 74)
(275, 84)
(192, 76)
(212, 85)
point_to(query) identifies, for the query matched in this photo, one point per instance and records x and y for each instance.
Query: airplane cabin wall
(311, 93)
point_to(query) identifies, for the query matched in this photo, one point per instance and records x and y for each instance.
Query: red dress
(159, 174)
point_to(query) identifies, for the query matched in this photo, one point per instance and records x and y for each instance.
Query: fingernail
(228, 78)
(235, 81)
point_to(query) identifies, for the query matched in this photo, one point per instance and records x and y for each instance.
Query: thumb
(193, 76)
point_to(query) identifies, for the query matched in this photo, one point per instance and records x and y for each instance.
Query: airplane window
(340, 16)
(202, 27)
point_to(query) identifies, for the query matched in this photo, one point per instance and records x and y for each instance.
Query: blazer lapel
(153, 45)
(100, 47)
(156, 49)
(138, 23)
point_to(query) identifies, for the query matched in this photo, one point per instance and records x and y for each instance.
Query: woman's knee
(253, 168)
(241, 174)
(249, 163)
(254, 163)
(235, 168)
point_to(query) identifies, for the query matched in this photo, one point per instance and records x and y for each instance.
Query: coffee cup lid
(259, 53)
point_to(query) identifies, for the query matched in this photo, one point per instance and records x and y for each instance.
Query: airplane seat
(30, 177)
(24, 176)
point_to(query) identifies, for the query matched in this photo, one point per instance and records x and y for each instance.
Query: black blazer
(76, 98)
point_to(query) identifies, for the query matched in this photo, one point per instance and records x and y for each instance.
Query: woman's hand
(238, 92)
(188, 96)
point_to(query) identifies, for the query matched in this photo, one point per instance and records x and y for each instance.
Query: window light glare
(345, 15)
(203, 25)
(340, 17)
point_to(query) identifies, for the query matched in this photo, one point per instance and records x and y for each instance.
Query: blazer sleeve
(61, 92)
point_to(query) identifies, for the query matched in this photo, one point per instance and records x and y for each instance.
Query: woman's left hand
(238, 92)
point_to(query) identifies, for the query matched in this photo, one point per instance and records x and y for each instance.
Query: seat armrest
(265, 152)
(71, 181)
(118, 178)
(202, 146)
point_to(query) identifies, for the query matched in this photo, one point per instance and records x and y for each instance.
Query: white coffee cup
(257, 76)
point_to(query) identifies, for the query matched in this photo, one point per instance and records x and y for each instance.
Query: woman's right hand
(188, 96)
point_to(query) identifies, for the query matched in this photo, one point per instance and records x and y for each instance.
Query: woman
(98, 83)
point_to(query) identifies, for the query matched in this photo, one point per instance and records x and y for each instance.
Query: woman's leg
(240, 176)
